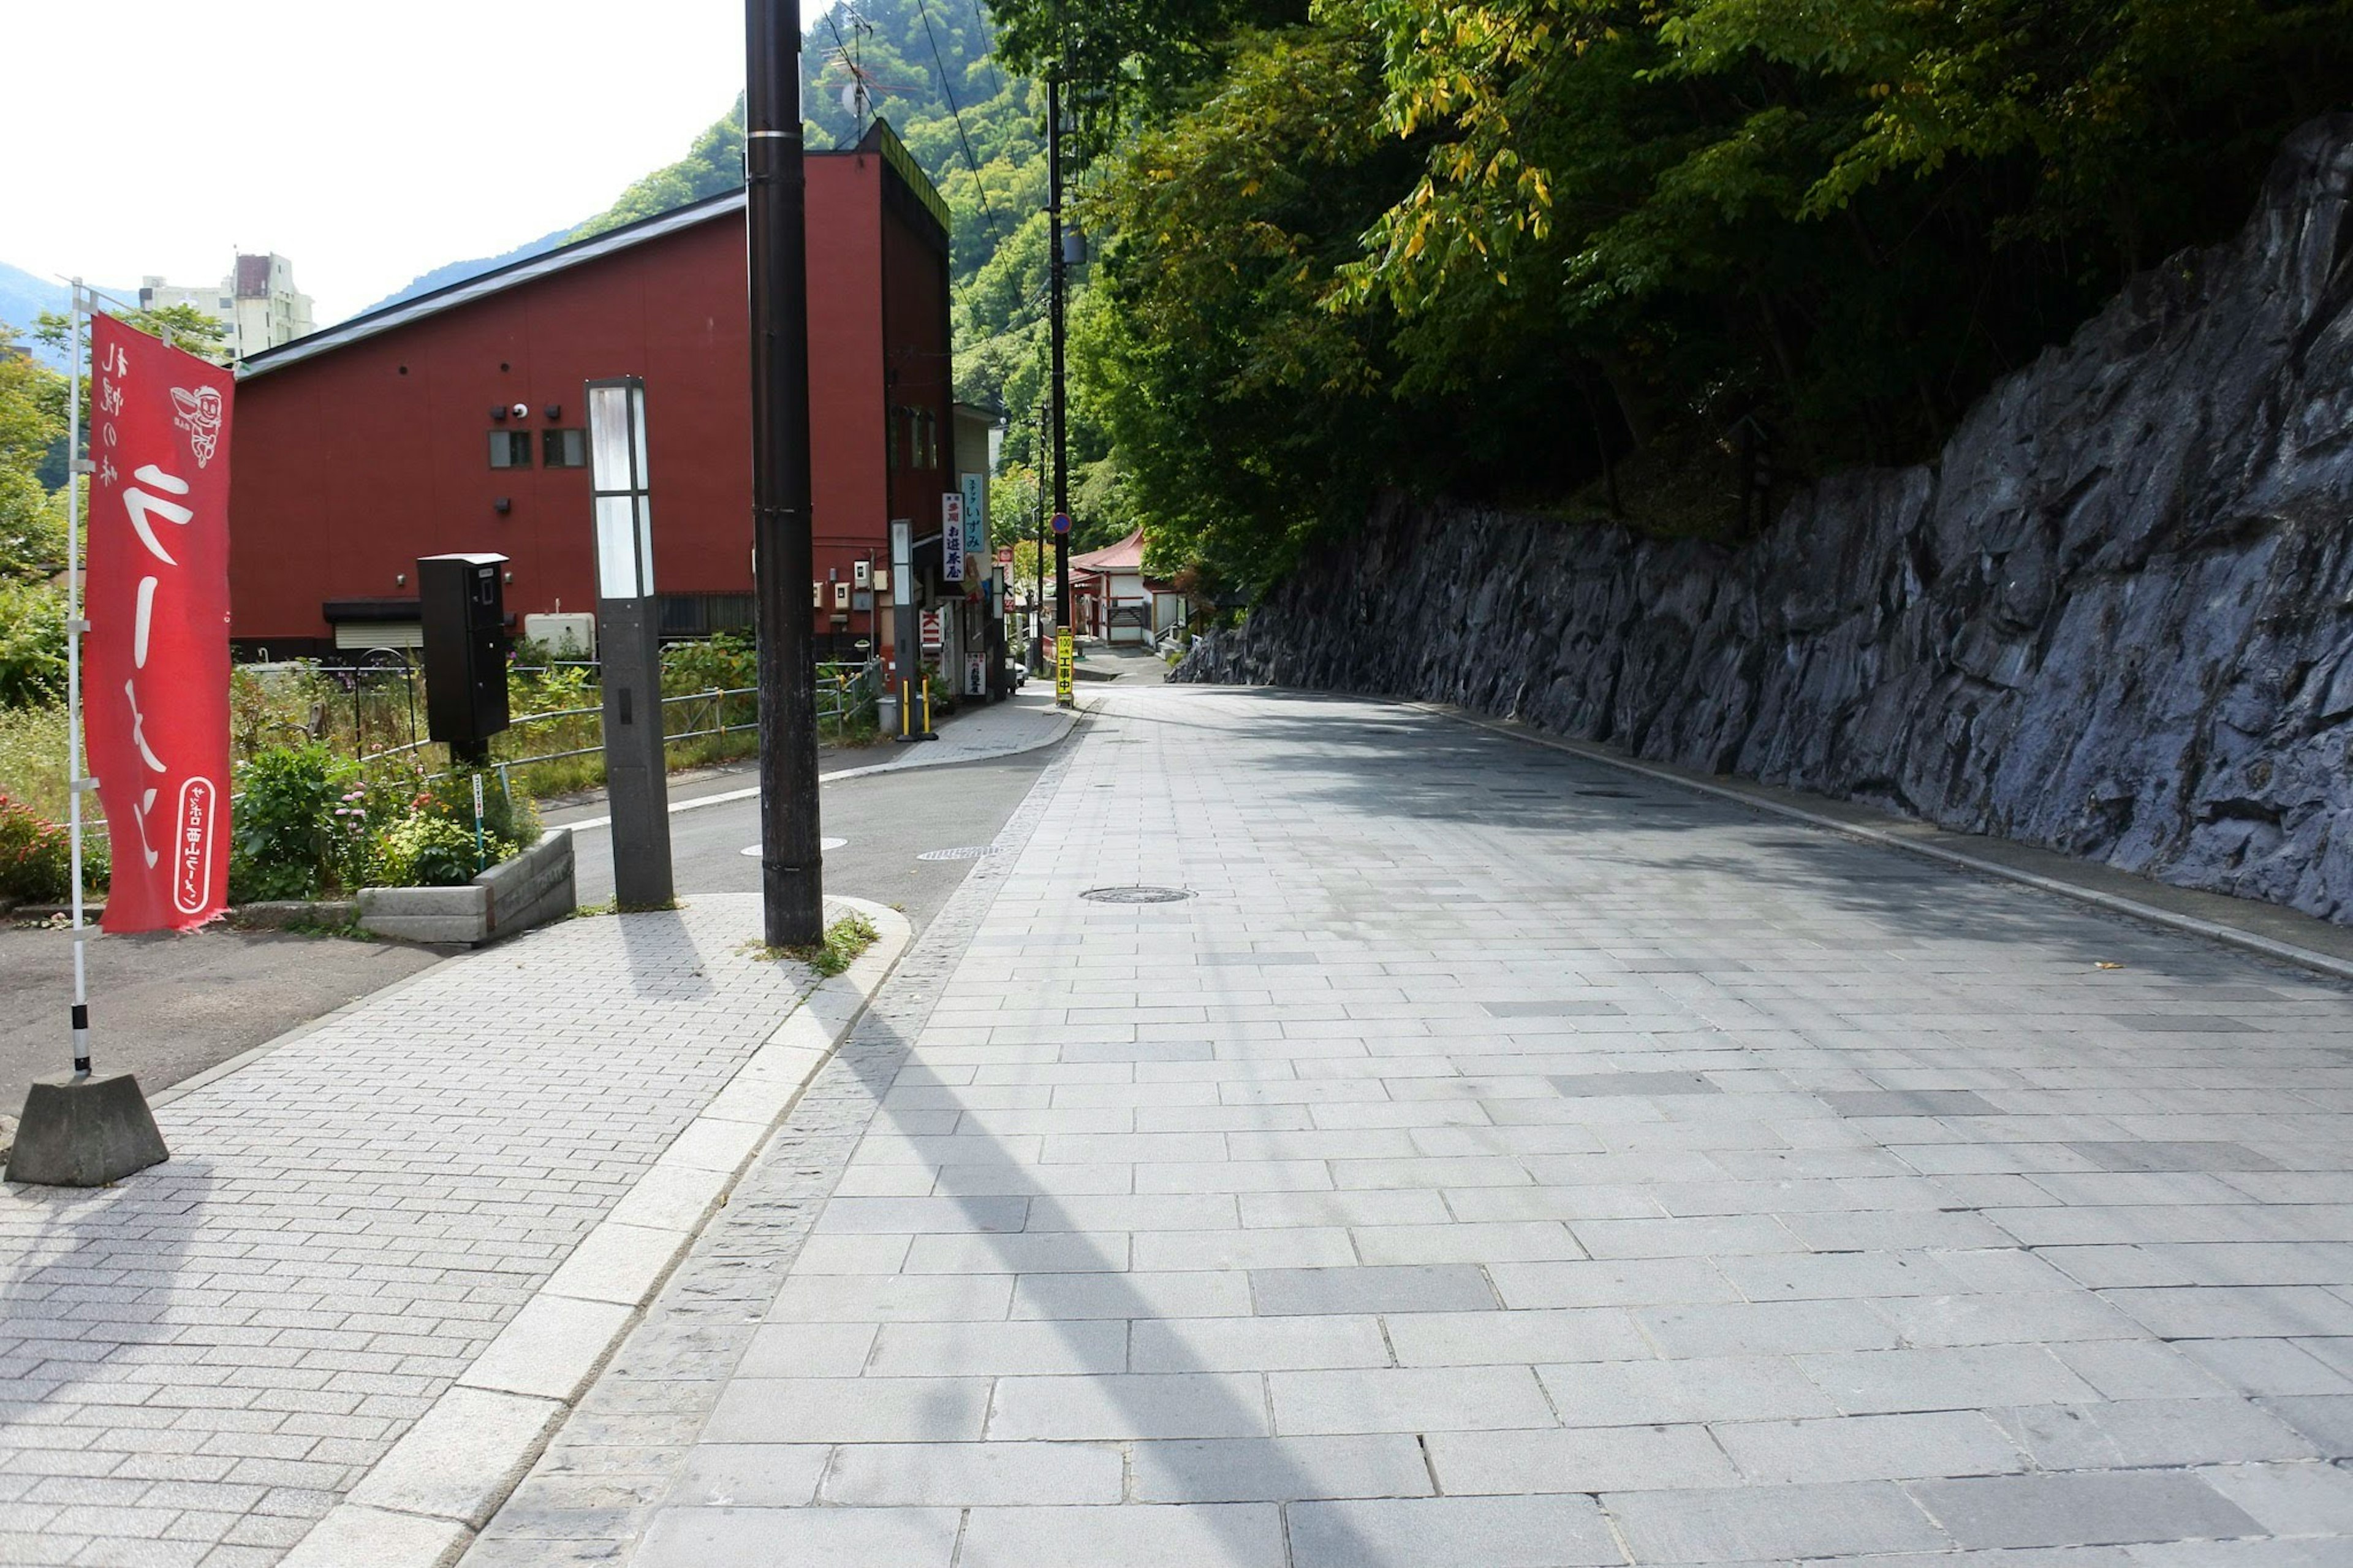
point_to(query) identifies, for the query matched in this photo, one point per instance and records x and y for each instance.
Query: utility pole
(1056, 268)
(791, 866)
(1038, 606)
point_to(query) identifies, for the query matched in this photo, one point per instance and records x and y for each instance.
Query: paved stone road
(1503, 1163)
(196, 1362)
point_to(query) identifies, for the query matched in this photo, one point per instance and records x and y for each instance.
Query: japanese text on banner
(155, 713)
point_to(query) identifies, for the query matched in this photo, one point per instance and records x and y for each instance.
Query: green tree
(32, 531)
(1845, 216)
(184, 326)
(1241, 411)
(32, 421)
(713, 165)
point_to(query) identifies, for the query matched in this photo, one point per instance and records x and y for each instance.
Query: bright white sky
(366, 144)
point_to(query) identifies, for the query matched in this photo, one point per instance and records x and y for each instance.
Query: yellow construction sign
(1063, 654)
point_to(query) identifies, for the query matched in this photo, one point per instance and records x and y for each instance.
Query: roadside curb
(421, 1503)
(2115, 903)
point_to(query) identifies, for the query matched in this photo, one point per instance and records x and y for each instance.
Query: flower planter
(532, 888)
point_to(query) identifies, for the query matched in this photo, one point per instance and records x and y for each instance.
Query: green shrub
(32, 644)
(288, 838)
(427, 851)
(273, 707)
(36, 855)
(508, 813)
(33, 759)
(726, 661)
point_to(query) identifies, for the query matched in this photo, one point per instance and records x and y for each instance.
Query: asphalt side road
(167, 1008)
(884, 821)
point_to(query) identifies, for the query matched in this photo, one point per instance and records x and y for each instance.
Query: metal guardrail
(845, 693)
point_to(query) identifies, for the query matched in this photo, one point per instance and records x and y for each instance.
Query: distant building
(1115, 601)
(257, 304)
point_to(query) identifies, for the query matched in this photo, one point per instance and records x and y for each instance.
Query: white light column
(629, 644)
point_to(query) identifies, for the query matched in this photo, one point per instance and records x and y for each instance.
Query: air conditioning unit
(568, 636)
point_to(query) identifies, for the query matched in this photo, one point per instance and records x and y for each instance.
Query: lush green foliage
(1845, 217)
(32, 644)
(306, 823)
(36, 855)
(32, 531)
(32, 421)
(724, 661)
(1524, 248)
(428, 851)
(285, 843)
(1242, 411)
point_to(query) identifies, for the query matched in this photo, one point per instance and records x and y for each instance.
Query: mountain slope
(458, 271)
(915, 58)
(23, 297)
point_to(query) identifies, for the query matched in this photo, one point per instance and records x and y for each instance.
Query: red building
(454, 422)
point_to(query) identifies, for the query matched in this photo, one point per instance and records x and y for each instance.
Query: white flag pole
(76, 466)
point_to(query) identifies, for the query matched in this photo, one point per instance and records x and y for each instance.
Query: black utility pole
(1055, 271)
(1038, 606)
(791, 867)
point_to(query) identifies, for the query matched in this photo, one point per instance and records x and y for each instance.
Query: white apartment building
(256, 303)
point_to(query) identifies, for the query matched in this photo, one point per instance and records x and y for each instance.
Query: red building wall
(355, 460)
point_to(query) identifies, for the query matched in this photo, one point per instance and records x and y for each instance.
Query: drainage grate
(1135, 895)
(962, 852)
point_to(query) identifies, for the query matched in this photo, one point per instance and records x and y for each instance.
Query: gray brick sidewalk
(1503, 1162)
(197, 1363)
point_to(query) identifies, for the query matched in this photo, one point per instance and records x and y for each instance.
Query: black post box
(465, 624)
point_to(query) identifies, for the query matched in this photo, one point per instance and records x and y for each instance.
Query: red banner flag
(155, 703)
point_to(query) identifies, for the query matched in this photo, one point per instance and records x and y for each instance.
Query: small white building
(1113, 599)
(257, 304)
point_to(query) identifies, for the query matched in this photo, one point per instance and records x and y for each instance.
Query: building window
(564, 448)
(510, 448)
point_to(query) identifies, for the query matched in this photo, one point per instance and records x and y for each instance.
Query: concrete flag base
(85, 1129)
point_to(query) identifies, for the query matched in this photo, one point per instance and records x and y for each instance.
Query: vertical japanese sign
(952, 536)
(975, 513)
(1064, 655)
(155, 713)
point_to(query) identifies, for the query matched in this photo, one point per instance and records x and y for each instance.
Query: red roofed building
(454, 421)
(1112, 598)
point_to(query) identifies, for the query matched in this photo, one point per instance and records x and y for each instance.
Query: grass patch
(845, 940)
(615, 907)
(349, 931)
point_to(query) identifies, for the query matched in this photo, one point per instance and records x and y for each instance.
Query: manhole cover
(1135, 895)
(754, 850)
(962, 852)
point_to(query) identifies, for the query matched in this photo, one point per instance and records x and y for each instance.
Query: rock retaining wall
(2116, 619)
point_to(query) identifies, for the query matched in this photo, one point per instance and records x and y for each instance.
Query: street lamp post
(791, 867)
(637, 779)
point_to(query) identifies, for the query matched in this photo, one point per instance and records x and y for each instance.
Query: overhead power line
(971, 162)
